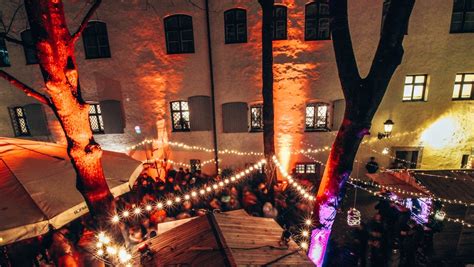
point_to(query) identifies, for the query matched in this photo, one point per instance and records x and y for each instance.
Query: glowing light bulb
(125, 214)
(305, 233)
(308, 222)
(177, 199)
(193, 194)
(214, 186)
(137, 211)
(187, 197)
(111, 250)
(99, 244)
(208, 189)
(202, 191)
(148, 207)
(100, 252)
(169, 202)
(304, 245)
(159, 205)
(115, 219)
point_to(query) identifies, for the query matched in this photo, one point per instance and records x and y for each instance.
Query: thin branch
(345, 58)
(86, 19)
(25, 88)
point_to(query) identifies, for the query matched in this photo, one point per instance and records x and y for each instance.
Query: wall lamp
(388, 127)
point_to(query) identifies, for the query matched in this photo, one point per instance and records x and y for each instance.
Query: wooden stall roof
(449, 184)
(226, 239)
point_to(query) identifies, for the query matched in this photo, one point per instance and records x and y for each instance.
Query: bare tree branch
(345, 58)
(390, 49)
(11, 39)
(85, 20)
(25, 88)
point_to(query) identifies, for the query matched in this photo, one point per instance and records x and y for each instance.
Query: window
(195, 165)
(386, 6)
(96, 40)
(407, 157)
(95, 119)
(235, 21)
(4, 59)
(317, 117)
(462, 19)
(180, 115)
(19, 122)
(306, 168)
(463, 86)
(29, 47)
(465, 161)
(317, 21)
(415, 87)
(256, 118)
(179, 34)
(279, 23)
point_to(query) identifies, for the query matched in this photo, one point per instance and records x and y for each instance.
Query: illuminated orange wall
(145, 79)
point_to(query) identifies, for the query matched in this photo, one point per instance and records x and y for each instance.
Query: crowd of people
(391, 238)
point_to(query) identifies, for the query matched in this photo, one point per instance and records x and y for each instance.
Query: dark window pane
(29, 48)
(235, 25)
(4, 58)
(96, 40)
(179, 34)
(279, 23)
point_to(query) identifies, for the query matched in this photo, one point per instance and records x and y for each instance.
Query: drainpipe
(213, 98)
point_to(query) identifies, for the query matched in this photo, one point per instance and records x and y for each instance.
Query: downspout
(213, 98)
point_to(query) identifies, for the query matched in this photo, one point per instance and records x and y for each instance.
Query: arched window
(29, 48)
(179, 34)
(235, 21)
(317, 21)
(279, 23)
(96, 40)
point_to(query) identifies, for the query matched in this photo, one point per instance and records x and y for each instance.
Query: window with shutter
(112, 116)
(200, 110)
(234, 117)
(317, 117)
(180, 116)
(95, 119)
(19, 122)
(29, 47)
(256, 118)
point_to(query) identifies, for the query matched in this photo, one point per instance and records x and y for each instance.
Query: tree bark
(55, 47)
(267, 92)
(363, 97)
(267, 78)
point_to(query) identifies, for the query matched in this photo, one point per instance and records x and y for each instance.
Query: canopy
(400, 183)
(38, 186)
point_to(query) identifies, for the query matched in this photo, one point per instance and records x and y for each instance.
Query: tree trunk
(267, 78)
(267, 91)
(55, 47)
(363, 97)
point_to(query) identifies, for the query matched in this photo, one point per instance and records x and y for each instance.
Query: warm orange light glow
(444, 132)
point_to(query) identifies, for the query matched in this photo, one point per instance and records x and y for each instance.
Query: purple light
(320, 235)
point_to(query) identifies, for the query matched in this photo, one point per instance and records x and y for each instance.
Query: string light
(353, 217)
(178, 200)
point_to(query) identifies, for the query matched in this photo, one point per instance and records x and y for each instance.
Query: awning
(38, 186)
(400, 183)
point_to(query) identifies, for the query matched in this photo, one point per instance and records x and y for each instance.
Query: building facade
(145, 66)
